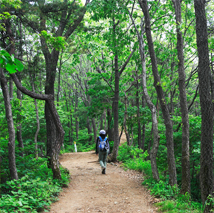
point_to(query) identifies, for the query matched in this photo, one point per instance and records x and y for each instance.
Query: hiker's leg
(105, 158)
(101, 158)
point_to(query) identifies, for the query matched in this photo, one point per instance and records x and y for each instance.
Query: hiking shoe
(104, 171)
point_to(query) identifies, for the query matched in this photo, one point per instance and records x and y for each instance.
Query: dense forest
(141, 68)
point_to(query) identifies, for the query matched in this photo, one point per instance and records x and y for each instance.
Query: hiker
(103, 148)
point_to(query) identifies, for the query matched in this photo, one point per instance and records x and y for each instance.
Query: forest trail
(90, 191)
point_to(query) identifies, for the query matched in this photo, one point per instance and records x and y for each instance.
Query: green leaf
(10, 68)
(19, 65)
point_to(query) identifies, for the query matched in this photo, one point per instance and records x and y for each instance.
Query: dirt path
(90, 191)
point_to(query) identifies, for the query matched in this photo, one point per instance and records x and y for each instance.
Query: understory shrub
(35, 190)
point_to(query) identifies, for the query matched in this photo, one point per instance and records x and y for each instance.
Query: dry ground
(90, 191)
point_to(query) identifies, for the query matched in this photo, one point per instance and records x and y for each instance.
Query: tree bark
(76, 117)
(19, 126)
(185, 182)
(204, 75)
(138, 115)
(115, 110)
(110, 130)
(153, 152)
(37, 124)
(49, 101)
(10, 124)
(94, 129)
(161, 97)
(143, 126)
(124, 123)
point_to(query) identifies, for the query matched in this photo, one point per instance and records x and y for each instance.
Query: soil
(91, 191)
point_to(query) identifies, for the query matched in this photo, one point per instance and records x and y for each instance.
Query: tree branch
(126, 62)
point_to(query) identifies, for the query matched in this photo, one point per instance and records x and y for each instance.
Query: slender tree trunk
(10, 124)
(185, 185)
(19, 126)
(121, 133)
(161, 97)
(94, 129)
(115, 108)
(138, 116)
(76, 117)
(19, 95)
(124, 123)
(143, 127)
(154, 150)
(89, 128)
(101, 120)
(212, 81)
(11, 88)
(110, 131)
(37, 124)
(59, 78)
(105, 122)
(204, 75)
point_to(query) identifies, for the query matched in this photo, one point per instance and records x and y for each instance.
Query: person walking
(103, 148)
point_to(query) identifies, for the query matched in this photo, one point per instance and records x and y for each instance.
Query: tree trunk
(105, 122)
(101, 120)
(89, 128)
(185, 185)
(124, 123)
(153, 152)
(115, 110)
(37, 124)
(19, 126)
(110, 131)
(11, 88)
(59, 78)
(138, 115)
(161, 97)
(143, 127)
(76, 117)
(10, 124)
(59, 136)
(204, 75)
(94, 129)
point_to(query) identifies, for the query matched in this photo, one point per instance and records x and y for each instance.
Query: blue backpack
(102, 144)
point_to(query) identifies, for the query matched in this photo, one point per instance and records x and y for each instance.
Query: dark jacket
(97, 145)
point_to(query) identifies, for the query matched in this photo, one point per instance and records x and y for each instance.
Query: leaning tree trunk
(59, 136)
(161, 97)
(185, 182)
(153, 152)
(204, 75)
(10, 124)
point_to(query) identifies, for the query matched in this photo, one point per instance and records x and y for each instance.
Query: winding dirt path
(90, 191)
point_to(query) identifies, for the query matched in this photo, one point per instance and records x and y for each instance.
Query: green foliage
(161, 189)
(10, 63)
(35, 190)
(134, 158)
(54, 42)
(179, 206)
(84, 143)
